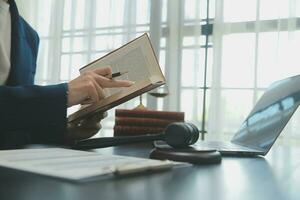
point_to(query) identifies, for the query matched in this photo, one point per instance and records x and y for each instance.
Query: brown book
(148, 122)
(178, 116)
(138, 60)
(136, 130)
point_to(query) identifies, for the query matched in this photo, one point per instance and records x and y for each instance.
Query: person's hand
(88, 87)
(85, 128)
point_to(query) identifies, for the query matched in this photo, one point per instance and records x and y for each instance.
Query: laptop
(265, 122)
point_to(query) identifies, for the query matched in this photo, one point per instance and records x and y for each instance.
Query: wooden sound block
(190, 155)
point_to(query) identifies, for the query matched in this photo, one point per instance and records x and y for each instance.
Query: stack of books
(141, 122)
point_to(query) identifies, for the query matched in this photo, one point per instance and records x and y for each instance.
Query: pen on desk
(114, 75)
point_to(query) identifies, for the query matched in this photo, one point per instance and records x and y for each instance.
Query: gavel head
(181, 135)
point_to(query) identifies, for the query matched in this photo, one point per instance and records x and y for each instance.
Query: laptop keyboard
(221, 146)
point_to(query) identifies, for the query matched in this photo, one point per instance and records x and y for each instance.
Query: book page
(132, 62)
(76, 165)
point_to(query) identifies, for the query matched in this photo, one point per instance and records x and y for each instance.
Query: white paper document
(76, 165)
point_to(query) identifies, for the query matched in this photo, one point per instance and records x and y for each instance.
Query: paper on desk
(76, 165)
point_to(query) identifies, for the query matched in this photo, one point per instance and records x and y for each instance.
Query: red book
(148, 122)
(178, 116)
(136, 130)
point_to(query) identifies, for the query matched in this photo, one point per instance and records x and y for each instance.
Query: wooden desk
(277, 176)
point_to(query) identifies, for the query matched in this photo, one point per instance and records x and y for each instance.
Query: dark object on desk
(177, 135)
(163, 151)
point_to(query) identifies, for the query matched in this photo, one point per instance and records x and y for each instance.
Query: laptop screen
(270, 115)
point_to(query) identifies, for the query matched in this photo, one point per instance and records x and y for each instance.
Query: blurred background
(227, 51)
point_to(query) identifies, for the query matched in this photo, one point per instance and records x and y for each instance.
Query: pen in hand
(117, 74)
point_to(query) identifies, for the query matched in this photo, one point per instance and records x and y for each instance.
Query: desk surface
(277, 176)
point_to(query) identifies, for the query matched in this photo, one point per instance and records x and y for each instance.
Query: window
(229, 53)
(257, 46)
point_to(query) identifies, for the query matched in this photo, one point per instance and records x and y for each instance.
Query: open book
(138, 59)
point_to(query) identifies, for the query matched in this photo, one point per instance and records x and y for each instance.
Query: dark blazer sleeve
(28, 113)
(37, 111)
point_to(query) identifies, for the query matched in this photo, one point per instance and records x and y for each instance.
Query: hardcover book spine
(148, 122)
(178, 116)
(136, 130)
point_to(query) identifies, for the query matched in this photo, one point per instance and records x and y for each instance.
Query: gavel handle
(114, 141)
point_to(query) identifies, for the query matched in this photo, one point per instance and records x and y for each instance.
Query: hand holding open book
(89, 87)
(138, 59)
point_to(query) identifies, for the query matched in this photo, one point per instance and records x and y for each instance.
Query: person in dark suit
(31, 114)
